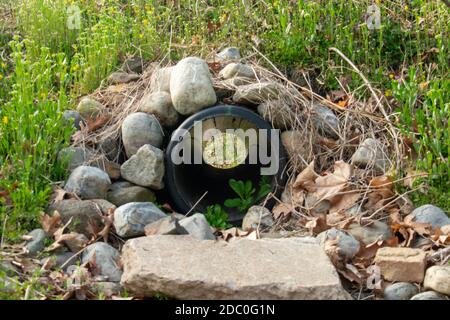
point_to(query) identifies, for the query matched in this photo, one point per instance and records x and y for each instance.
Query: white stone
(191, 86)
(145, 168)
(139, 129)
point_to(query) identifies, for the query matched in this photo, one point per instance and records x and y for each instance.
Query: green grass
(47, 67)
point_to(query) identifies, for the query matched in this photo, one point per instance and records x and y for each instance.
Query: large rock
(257, 217)
(191, 86)
(37, 242)
(237, 70)
(325, 121)
(348, 246)
(368, 234)
(88, 183)
(90, 108)
(197, 226)
(139, 129)
(121, 196)
(401, 264)
(145, 168)
(160, 79)
(106, 260)
(86, 218)
(229, 53)
(400, 291)
(430, 214)
(437, 278)
(371, 155)
(186, 268)
(256, 93)
(131, 218)
(160, 104)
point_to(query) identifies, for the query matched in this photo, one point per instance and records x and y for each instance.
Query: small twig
(195, 204)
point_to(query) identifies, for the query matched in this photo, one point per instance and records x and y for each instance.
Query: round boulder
(88, 183)
(191, 86)
(131, 218)
(138, 129)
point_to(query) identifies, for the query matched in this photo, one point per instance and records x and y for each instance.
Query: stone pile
(179, 255)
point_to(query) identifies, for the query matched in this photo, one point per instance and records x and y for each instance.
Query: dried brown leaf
(307, 175)
(50, 223)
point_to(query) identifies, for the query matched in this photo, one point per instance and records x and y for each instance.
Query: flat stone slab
(182, 267)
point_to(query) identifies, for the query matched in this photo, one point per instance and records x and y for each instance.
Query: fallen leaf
(317, 224)
(98, 122)
(327, 186)
(281, 210)
(351, 273)
(307, 175)
(344, 201)
(50, 223)
(332, 250)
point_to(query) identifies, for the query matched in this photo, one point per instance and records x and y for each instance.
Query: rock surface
(237, 70)
(295, 146)
(400, 291)
(197, 226)
(167, 225)
(131, 218)
(401, 264)
(75, 117)
(370, 154)
(191, 86)
(369, 234)
(84, 215)
(145, 168)
(185, 268)
(64, 259)
(256, 93)
(105, 258)
(90, 108)
(37, 243)
(348, 246)
(121, 196)
(230, 53)
(139, 129)
(325, 121)
(160, 104)
(88, 183)
(429, 295)
(430, 214)
(437, 278)
(76, 243)
(257, 217)
(277, 113)
(133, 64)
(122, 77)
(160, 79)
